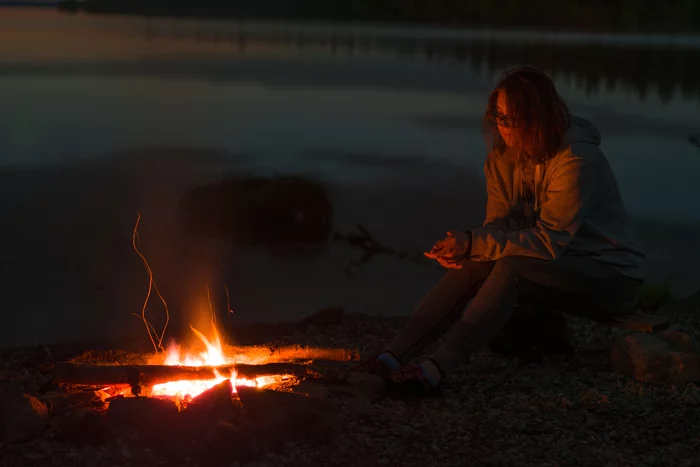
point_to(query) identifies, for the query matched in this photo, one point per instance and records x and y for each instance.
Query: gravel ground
(564, 412)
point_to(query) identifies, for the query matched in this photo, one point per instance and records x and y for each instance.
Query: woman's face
(503, 111)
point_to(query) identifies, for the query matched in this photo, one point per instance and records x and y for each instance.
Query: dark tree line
(646, 70)
(672, 16)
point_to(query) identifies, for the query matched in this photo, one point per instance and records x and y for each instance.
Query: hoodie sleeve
(497, 214)
(568, 195)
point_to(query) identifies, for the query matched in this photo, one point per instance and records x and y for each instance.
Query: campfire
(215, 358)
(214, 401)
(221, 404)
(185, 374)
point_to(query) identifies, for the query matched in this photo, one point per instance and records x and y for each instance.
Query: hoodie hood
(581, 131)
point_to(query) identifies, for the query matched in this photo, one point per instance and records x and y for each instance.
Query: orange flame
(213, 355)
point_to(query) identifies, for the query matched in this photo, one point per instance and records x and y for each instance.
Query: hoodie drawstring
(538, 174)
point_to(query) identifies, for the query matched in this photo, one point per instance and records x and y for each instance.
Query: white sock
(390, 361)
(431, 372)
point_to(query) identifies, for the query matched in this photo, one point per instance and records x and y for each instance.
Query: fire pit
(185, 375)
(221, 404)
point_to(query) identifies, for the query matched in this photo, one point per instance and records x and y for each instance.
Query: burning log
(138, 375)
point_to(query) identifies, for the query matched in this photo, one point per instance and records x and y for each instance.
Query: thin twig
(371, 247)
(148, 325)
(153, 329)
(167, 316)
(151, 286)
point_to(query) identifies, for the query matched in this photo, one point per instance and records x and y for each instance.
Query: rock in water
(670, 357)
(274, 212)
(22, 417)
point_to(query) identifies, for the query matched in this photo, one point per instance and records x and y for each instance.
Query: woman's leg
(439, 310)
(572, 284)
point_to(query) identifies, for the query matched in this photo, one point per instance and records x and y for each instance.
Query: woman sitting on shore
(556, 233)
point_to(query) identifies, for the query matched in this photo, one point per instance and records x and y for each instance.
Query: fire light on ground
(212, 355)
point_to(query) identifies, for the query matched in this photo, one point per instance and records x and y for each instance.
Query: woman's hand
(452, 250)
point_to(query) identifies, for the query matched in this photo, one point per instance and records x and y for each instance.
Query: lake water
(105, 117)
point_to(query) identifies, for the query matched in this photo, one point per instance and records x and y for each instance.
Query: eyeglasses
(503, 120)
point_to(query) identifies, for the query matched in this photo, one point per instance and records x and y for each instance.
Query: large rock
(146, 414)
(668, 357)
(215, 398)
(679, 341)
(205, 411)
(226, 444)
(83, 427)
(280, 417)
(22, 417)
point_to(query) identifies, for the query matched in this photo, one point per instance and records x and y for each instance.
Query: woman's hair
(538, 116)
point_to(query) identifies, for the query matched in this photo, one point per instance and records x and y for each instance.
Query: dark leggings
(570, 284)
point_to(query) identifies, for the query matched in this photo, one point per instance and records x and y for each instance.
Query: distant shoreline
(20, 4)
(507, 16)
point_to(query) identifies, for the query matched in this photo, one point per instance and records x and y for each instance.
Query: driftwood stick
(138, 375)
(371, 247)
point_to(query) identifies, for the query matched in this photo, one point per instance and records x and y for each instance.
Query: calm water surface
(105, 117)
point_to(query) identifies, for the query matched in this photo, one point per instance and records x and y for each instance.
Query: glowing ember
(184, 389)
(213, 355)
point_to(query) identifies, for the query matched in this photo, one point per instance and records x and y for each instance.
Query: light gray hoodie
(578, 209)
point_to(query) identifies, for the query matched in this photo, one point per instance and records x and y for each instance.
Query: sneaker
(410, 381)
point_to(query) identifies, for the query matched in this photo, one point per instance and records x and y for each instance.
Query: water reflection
(645, 68)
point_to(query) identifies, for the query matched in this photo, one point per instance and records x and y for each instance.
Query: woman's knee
(476, 268)
(471, 271)
(521, 266)
(510, 264)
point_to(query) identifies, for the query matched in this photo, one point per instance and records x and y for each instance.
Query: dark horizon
(672, 16)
